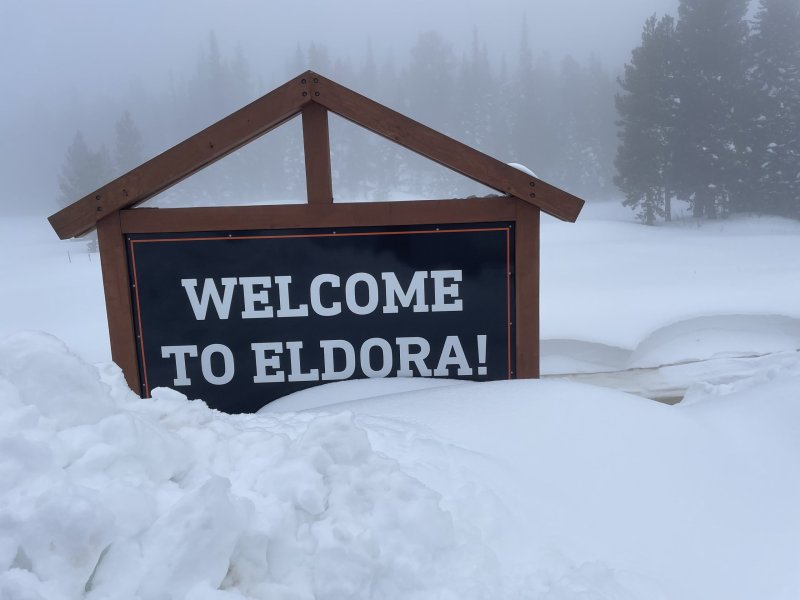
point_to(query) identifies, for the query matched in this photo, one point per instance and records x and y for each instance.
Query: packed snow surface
(615, 282)
(523, 489)
(420, 488)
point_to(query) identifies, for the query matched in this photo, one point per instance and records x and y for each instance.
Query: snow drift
(503, 490)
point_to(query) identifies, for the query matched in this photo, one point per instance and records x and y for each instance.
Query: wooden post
(527, 300)
(116, 283)
(316, 145)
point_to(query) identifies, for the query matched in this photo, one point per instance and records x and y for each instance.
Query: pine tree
(368, 73)
(219, 86)
(475, 110)
(127, 144)
(523, 105)
(428, 94)
(586, 116)
(534, 129)
(357, 155)
(570, 171)
(240, 86)
(774, 78)
(429, 82)
(83, 170)
(318, 58)
(474, 101)
(712, 36)
(209, 85)
(646, 118)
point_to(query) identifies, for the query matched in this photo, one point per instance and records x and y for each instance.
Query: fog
(69, 66)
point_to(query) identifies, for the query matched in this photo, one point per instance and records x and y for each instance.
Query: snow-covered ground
(629, 306)
(427, 489)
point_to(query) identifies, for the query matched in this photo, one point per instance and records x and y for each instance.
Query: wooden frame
(110, 208)
(309, 216)
(117, 287)
(308, 94)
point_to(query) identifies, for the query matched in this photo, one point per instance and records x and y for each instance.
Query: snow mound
(689, 340)
(107, 496)
(719, 336)
(577, 356)
(681, 496)
(355, 389)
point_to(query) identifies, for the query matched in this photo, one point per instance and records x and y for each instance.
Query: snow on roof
(523, 168)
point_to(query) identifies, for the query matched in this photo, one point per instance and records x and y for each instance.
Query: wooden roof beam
(442, 149)
(184, 159)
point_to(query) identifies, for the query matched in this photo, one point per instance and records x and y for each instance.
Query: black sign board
(241, 318)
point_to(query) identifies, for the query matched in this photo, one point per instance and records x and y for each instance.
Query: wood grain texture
(317, 150)
(527, 291)
(444, 150)
(116, 284)
(280, 105)
(422, 212)
(291, 216)
(184, 159)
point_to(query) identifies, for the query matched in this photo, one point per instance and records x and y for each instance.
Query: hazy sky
(58, 54)
(79, 43)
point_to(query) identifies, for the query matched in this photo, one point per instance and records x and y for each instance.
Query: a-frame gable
(444, 150)
(312, 95)
(184, 159)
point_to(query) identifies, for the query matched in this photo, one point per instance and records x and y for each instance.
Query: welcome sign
(241, 317)
(238, 305)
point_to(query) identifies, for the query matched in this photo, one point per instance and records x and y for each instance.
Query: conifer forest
(706, 111)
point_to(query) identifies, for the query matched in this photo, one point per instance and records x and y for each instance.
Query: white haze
(76, 65)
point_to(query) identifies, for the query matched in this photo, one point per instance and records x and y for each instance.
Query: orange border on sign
(131, 243)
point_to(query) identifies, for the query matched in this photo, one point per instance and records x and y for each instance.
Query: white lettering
(205, 363)
(272, 362)
(316, 301)
(286, 310)
(452, 354)
(366, 363)
(417, 358)
(372, 293)
(295, 368)
(330, 373)
(210, 292)
(441, 291)
(180, 353)
(416, 290)
(251, 297)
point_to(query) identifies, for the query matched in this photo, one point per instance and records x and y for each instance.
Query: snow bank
(691, 340)
(525, 489)
(104, 495)
(615, 283)
(698, 501)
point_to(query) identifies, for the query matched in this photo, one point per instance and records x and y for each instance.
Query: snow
(522, 168)
(523, 489)
(616, 283)
(51, 285)
(423, 488)
(690, 340)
